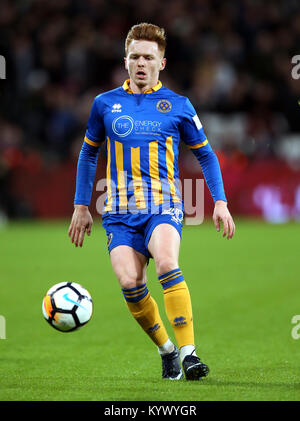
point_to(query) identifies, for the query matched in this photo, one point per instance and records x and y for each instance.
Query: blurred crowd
(232, 58)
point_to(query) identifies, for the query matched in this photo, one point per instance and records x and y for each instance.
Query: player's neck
(140, 90)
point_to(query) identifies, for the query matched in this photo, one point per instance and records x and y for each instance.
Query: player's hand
(81, 223)
(222, 214)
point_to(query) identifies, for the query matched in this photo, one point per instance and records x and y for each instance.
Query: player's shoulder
(174, 96)
(106, 100)
(108, 95)
(180, 103)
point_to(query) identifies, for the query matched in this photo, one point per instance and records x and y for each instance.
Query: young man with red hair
(140, 124)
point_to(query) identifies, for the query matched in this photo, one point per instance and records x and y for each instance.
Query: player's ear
(125, 61)
(163, 63)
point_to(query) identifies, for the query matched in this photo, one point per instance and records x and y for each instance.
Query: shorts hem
(149, 233)
(145, 253)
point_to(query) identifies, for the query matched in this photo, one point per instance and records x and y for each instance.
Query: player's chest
(141, 116)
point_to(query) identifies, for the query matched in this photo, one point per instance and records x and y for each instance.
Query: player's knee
(130, 280)
(165, 264)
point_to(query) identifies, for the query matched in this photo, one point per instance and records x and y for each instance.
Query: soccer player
(140, 125)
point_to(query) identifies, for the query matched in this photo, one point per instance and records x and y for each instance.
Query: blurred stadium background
(233, 60)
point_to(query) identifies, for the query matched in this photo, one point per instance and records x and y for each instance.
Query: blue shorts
(135, 230)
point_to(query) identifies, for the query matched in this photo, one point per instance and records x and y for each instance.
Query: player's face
(144, 61)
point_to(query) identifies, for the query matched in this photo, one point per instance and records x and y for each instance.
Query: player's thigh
(129, 266)
(164, 245)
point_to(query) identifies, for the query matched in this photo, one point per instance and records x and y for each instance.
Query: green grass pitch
(244, 292)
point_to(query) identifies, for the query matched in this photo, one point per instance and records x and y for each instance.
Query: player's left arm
(193, 135)
(222, 214)
(213, 177)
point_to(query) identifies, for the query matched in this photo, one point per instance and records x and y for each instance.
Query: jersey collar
(155, 88)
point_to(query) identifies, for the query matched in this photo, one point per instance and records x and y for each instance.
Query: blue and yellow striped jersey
(141, 134)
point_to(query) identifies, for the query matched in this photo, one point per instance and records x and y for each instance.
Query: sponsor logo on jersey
(123, 125)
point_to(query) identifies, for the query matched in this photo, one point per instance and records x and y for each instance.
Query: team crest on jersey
(116, 108)
(164, 106)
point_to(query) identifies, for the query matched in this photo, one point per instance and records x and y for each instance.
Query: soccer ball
(67, 306)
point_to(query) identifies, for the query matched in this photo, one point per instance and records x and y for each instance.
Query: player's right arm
(82, 220)
(81, 223)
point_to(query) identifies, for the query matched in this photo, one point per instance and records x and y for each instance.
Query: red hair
(147, 32)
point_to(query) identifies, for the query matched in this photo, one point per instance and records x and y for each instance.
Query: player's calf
(145, 311)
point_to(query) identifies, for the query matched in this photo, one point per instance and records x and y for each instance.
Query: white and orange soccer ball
(67, 306)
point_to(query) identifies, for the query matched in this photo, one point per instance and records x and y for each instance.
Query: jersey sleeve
(95, 132)
(86, 171)
(192, 134)
(191, 130)
(87, 161)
